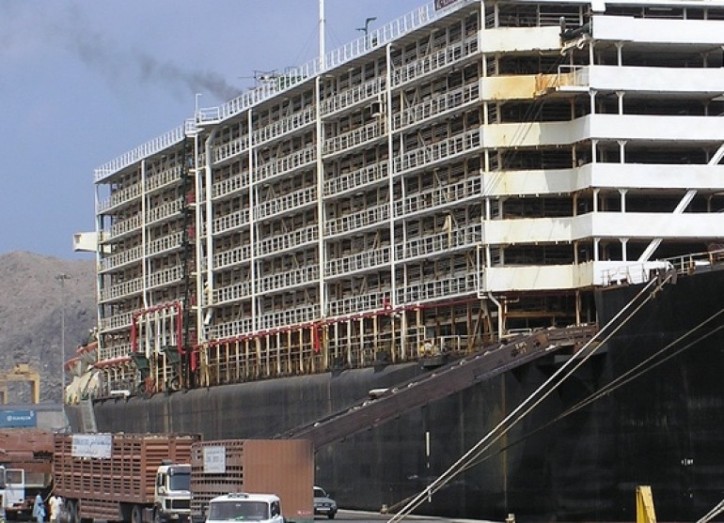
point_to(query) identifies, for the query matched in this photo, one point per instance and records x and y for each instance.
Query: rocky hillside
(31, 305)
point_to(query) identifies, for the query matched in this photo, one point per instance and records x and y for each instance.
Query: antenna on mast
(366, 29)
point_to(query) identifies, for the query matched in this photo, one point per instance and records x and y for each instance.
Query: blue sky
(82, 82)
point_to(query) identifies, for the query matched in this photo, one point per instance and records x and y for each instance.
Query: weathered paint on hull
(662, 429)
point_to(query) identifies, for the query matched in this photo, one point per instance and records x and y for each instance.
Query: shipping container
(10, 419)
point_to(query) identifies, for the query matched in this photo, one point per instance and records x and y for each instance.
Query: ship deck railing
(642, 272)
(280, 82)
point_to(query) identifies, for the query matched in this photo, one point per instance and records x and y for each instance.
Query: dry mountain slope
(31, 311)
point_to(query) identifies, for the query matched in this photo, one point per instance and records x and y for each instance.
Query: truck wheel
(136, 515)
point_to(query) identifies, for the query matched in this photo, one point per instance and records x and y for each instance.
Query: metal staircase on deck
(87, 416)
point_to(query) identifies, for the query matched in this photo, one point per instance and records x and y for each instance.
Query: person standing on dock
(54, 505)
(39, 509)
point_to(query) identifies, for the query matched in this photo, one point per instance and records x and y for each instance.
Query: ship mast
(322, 50)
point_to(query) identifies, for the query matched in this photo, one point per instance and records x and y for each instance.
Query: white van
(261, 508)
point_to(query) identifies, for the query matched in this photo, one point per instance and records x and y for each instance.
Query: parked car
(323, 504)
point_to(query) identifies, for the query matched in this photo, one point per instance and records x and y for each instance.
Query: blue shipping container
(17, 418)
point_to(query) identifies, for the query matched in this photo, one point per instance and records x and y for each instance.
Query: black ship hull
(662, 428)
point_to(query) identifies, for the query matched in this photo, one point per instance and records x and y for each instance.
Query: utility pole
(61, 278)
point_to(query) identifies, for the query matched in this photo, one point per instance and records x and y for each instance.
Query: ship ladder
(645, 512)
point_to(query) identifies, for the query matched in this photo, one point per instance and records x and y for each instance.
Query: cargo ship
(467, 178)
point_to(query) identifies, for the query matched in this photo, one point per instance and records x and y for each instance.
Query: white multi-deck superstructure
(471, 168)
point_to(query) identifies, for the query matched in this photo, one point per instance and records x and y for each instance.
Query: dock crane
(21, 372)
